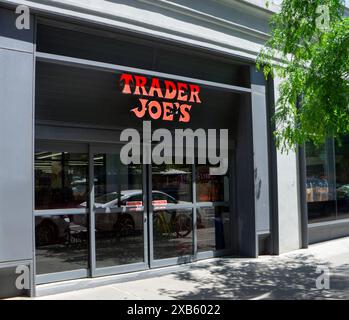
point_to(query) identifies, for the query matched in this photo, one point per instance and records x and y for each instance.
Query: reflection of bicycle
(179, 224)
(75, 234)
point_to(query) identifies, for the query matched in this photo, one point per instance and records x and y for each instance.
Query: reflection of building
(175, 182)
(60, 141)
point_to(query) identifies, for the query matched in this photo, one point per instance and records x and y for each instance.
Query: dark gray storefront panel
(13, 281)
(245, 226)
(16, 183)
(252, 170)
(324, 231)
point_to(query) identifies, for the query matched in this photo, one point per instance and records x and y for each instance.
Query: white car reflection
(122, 213)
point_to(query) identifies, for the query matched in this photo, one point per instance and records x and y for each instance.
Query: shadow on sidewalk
(273, 279)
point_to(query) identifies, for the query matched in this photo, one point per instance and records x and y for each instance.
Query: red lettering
(155, 105)
(140, 85)
(166, 89)
(182, 88)
(168, 115)
(194, 93)
(155, 87)
(171, 90)
(185, 115)
(140, 112)
(127, 79)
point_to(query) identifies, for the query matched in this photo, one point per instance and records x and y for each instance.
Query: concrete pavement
(288, 276)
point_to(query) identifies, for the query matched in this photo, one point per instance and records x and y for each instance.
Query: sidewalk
(288, 276)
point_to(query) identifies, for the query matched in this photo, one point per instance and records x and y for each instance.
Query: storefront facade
(83, 74)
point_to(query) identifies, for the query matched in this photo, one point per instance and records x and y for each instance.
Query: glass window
(172, 233)
(172, 183)
(320, 183)
(61, 243)
(327, 186)
(211, 188)
(165, 198)
(342, 175)
(214, 230)
(114, 180)
(60, 180)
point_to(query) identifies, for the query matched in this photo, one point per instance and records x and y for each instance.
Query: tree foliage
(314, 65)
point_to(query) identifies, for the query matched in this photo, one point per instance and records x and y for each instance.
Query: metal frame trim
(92, 236)
(329, 222)
(61, 276)
(59, 212)
(121, 269)
(173, 261)
(214, 254)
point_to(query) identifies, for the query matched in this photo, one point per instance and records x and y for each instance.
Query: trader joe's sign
(161, 99)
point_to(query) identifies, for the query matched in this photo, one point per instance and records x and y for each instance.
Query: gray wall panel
(16, 183)
(260, 146)
(289, 218)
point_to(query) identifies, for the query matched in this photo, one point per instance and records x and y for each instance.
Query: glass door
(172, 215)
(118, 214)
(214, 212)
(96, 216)
(61, 214)
(190, 213)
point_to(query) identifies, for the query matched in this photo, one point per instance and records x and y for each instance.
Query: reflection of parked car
(131, 221)
(49, 229)
(60, 229)
(129, 198)
(167, 221)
